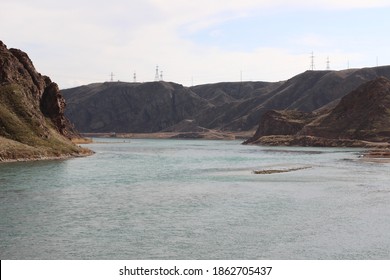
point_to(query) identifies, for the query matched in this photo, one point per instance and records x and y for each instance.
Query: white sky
(194, 42)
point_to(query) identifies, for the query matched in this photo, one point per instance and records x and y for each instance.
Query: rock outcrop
(360, 118)
(282, 123)
(32, 121)
(364, 114)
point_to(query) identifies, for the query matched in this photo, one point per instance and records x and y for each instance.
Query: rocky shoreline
(209, 135)
(314, 141)
(374, 150)
(12, 151)
(377, 155)
(41, 158)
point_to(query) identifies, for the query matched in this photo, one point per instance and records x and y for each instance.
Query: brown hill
(32, 122)
(362, 115)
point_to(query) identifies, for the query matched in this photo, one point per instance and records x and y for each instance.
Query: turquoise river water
(196, 199)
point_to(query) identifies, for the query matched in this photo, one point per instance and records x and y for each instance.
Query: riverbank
(13, 151)
(41, 158)
(374, 150)
(209, 135)
(377, 155)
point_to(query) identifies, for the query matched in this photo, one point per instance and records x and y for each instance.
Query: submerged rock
(273, 171)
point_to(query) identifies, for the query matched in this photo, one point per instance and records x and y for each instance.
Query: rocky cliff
(32, 122)
(364, 114)
(361, 116)
(287, 122)
(153, 107)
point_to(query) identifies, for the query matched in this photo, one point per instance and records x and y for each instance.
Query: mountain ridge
(226, 106)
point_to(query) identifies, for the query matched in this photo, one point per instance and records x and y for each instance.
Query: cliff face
(361, 115)
(32, 122)
(281, 123)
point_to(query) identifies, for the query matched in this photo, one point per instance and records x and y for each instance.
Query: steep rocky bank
(287, 122)
(364, 114)
(32, 121)
(360, 119)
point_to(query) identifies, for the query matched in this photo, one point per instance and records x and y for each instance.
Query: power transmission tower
(327, 63)
(112, 77)
(312, 61)
(135, 77)
(161, 75)
(156, 76)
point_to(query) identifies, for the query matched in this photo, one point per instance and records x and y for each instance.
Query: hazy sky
(78, 42)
